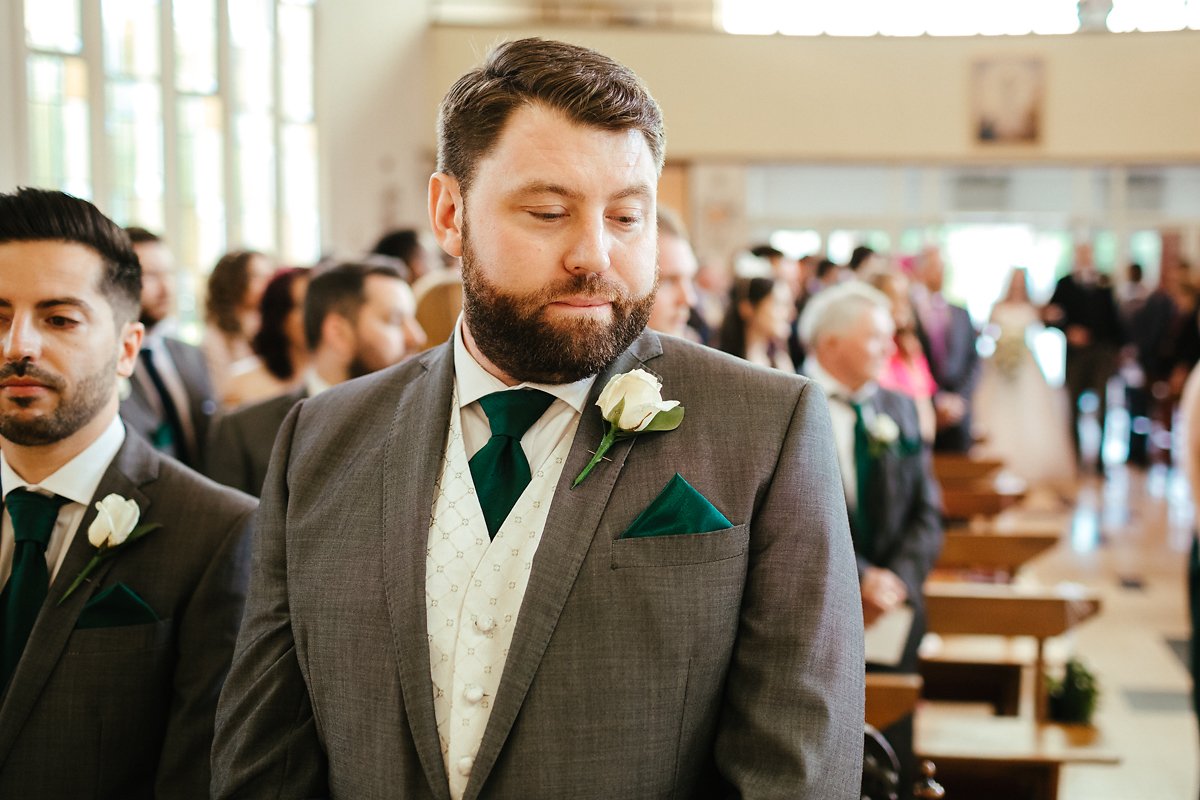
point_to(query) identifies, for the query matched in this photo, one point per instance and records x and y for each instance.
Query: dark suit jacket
(696, 665)
(1090, 305)
(139, 410)
(904, 511)
(126, 712)
(239, 450)
(958, 373)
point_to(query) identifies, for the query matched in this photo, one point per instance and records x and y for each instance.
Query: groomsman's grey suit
(239, 450)
(122, 707)
(142, 409)
(705, 665)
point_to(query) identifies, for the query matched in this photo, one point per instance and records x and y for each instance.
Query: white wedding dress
(1022, 418)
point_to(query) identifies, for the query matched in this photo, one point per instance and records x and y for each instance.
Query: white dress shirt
(475, 382)
(77, 480)
(841, 414)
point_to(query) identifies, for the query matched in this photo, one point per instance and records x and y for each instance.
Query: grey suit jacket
(139, 411)
(706, 665)
(958, 373)
(904, 512)
(240, 445)
(127, 712)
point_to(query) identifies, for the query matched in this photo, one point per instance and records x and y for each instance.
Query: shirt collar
(314, 384)
(475, 382)
(833, 387)
(78, 479)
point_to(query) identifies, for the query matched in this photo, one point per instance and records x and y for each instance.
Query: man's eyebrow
(54, 302)
(641, 190)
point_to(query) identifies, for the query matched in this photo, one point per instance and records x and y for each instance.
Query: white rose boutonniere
(632, 403)
(114, 527)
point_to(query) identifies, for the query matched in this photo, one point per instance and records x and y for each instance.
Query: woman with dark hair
(231, 314)
(279, 346)
(758, 322)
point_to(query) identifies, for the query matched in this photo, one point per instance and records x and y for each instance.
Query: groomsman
(358, 318)
(110, 670)
(675, 301)
(452, 597)
(948, 338)
(170, 400)
(892, 497)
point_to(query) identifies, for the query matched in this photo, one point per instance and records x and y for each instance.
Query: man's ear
(337, 333)
(446, 212)
(130, 345)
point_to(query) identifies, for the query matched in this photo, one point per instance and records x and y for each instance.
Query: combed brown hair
(588, 87)
(227, 284)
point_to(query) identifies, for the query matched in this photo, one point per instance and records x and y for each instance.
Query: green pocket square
(117, 605)
(678, 509)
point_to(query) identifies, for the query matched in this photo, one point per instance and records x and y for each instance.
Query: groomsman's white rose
(884, 429)
(116, 517)
(637, 397)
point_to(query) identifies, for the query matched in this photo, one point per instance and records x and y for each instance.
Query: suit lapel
(133, 466)
(412, 460)
(574, 518)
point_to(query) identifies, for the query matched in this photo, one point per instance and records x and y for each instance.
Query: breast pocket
(682, 549)
(120, 638)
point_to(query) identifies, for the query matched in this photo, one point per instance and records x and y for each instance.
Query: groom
(436, 613)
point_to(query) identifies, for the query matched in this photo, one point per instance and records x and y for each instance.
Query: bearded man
(471, 583)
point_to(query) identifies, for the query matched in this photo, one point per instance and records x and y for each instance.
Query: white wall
(372, 103)
(9, 92)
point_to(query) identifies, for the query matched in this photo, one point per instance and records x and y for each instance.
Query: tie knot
(511, 413)
(33, 515)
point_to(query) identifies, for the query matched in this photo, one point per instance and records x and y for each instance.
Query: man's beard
(75, 409)
(514, 332)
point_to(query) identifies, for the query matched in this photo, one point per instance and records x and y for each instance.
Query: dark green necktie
(33, 517)
(862, 474)
(501, 470)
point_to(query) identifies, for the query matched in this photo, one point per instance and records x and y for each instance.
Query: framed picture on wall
(1006, 100)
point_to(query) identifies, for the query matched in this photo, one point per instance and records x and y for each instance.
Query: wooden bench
(891, 697)
(1003, 758)
(994, 551)
(980, 498)
(954, 468)
(1003, 610)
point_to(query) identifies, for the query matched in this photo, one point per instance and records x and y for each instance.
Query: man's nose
(22, 339)
(589, 248)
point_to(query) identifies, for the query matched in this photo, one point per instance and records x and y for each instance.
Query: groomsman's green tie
(501, 470)
(862, 473)
(33, 517)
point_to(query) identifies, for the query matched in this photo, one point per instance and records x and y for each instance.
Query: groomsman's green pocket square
(678, 509)
(117, 605)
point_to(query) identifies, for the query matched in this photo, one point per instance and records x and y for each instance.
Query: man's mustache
(27, 369)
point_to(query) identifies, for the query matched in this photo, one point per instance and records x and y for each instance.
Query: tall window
(193, 118)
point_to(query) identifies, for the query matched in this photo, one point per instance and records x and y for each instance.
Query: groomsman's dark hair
(30, 215)
(339, 290)
(586, 86)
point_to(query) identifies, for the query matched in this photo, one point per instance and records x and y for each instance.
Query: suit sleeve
(266, 740)
(206, 634)
(226, 461)
(921, 541)
(792, 717)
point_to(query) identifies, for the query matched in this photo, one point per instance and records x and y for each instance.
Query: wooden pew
(956, 468)
(1003, 610)
(891, 697)
(980, 498)
(1003, 758)
(993, 550)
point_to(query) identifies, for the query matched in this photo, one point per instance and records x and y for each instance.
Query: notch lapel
(572, 523)
(132, 467)
(412, 459)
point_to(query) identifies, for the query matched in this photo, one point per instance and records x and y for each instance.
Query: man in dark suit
(948, 337)
(453, 598)
(118, 617)
(170, 399)
(358, 318)
(1084, 308)
(892, 496)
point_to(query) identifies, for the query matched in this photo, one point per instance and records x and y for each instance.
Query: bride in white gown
(1022, 419)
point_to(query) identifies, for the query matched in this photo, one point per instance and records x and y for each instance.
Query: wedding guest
(279, 348)
(892, 497)
(110, 672)
(1189, 407)
(948, 338)
(1083, 307)
(171, 399)
(231, 315)
(439, 621)
(358, 318)
(676, 296)
(907, 371)
(1148, 317)
(405, 245)
(758, 321)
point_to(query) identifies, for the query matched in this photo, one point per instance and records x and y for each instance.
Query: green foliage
(1074, 698)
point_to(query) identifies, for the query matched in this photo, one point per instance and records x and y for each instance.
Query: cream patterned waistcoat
(473, 591)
